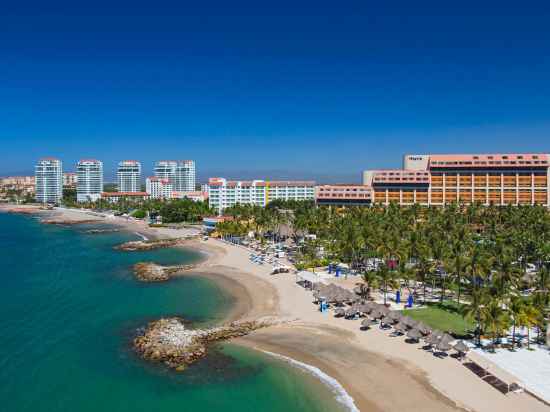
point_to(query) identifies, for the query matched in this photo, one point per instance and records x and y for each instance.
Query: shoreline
(380, 373)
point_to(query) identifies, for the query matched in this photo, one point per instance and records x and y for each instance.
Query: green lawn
(443, 317)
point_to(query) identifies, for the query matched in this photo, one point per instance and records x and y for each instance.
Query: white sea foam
(341, 395)
(142, 236)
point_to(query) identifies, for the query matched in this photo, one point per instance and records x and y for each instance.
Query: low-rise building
(158, 188)
(70, 179)
(115, 197)
(25, 184)
(343, 195)
(194, 196)
(224, 193)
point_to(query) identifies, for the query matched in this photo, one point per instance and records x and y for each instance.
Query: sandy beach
(380, 372)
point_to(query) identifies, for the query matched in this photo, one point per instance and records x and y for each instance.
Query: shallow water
(70, 307)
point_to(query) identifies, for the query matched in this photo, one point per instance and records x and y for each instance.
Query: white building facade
(185, 176)
(158, 188)
(181, 174)
(129, 176)
(89, 184)
(49, 180)
(223, 193)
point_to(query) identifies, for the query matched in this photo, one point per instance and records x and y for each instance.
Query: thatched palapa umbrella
(443, 346)
(339, 312)
(365, 324)
(414, 334)
(400, 328)
(461, 348)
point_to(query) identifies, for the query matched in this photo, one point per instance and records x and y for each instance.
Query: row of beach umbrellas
(404, 325)
(333, 293)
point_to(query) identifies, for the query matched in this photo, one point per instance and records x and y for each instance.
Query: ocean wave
(142, 236)
(341, 395)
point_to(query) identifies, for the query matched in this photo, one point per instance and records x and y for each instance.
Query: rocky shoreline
(137, 245)
(168, 341)
(151, 272)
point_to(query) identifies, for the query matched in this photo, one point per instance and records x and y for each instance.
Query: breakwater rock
(170, 342)
(151, 272)
(152, 244)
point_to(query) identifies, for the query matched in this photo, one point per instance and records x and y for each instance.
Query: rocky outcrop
(151, 272)
(152, 244)
(170, 342)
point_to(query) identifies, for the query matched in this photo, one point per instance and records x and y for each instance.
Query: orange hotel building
(498, 179)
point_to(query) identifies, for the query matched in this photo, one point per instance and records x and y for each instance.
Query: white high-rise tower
(89, 181)
(49, 180)
(129, 176)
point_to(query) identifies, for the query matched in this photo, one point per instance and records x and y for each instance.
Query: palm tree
(528, 318)
(387, 278)
(473, 311)
(370, 282)
(494, 319)
(515, 308)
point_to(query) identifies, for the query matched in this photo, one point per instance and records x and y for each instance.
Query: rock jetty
(151, 272)
(152, 244)
(170, 342)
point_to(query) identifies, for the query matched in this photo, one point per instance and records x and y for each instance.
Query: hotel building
(89, 184)
(158, 188)
(489, 179)
(180, 173)
(69, 179)
(49, 180)
(343, 195)
(129, 176)
(223, 193)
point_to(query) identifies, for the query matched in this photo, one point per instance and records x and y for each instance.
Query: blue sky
(318, 90)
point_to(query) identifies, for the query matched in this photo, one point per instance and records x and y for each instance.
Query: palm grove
(490, 264)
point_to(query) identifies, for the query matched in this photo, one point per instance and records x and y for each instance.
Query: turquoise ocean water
(69, 308)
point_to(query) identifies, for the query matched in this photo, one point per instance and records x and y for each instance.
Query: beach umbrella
(386, 321)
(443, 346)
(423, 328)
(384, 309)
(437, 333)
(350, 312)
(400, 328)
(461, 347)
(357, 290)
(339, 312)
(365, 323)
(394, 315)
(447, 338)
(431, 339)
(414, 334)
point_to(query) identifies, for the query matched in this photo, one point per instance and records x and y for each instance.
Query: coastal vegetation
(492, 263)
(170, 210)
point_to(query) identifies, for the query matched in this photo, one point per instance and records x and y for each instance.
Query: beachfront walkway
(531, 367)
